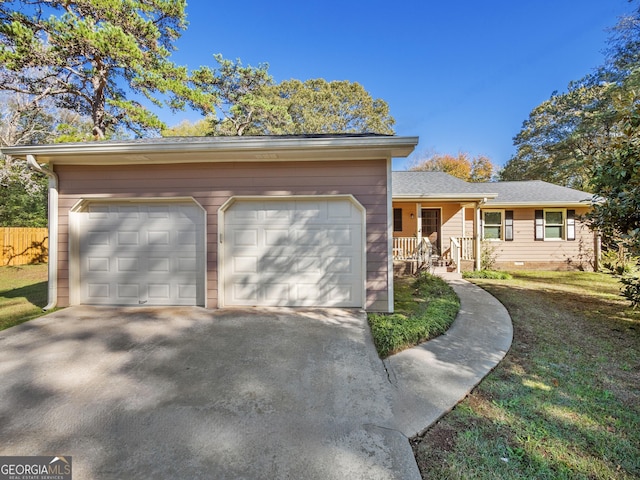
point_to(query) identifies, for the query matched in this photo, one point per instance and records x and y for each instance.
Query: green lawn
(425, 307)
(565, 401)
(23, 293)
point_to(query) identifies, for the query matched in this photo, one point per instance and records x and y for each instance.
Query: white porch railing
(410, 248)
(456, 253)
(466, 248)
(405, 248)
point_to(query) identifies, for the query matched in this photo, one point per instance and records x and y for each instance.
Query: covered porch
(422, 252)
(437, 233)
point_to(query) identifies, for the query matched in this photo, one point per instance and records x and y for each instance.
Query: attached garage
(300, 220)
(140, 253)
(294, 252)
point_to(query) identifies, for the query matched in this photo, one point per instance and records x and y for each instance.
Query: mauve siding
(212, 184)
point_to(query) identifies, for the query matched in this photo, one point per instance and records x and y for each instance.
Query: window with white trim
(492, 226)
(497, 225)
(555, 224)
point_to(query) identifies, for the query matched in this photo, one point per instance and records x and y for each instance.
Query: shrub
(434, 308)
(631, 290)
(490, 274)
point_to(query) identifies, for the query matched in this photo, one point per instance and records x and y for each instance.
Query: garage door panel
(339, 265)
(280, 264)
(308, 264)
(128, 264)
(276, 237)
(246, 237)
(98, 264)
(294, 253)
(151, 254)
(158, 265)
(245, 264)
(99, 290)
(276, 293)
(244, 292)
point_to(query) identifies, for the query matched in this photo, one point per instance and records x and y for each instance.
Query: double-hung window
(492, 224)
(497, 225)
(555, 224)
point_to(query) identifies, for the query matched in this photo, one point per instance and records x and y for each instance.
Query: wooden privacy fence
(21, 246)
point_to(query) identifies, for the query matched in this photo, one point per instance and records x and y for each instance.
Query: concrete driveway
(191, 393)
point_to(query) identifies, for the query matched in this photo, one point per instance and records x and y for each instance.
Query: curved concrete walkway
(434, 377)
(235, 393)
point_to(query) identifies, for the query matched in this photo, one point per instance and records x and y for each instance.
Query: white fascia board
(388, 146)
(558, 204)
(453, 197)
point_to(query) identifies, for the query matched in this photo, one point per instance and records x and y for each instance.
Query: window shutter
(397, 219)
(571, 224)
(539, 235)
(508, 225)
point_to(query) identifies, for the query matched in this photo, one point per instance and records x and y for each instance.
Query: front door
(431, 227)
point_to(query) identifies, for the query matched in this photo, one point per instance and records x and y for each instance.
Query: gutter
(395, 146)
(53, 231)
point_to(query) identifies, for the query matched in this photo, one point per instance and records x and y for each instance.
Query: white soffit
(219, 149)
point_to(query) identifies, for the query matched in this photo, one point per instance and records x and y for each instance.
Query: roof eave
(254, 149)
(453, 197)
(554, 204)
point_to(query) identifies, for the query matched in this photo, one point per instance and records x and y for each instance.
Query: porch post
(478, 236)
(419, 231)
(463, 222)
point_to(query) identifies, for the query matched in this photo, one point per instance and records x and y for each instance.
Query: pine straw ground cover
(565, 401)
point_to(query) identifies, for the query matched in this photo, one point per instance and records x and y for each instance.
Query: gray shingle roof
(439, 184)
(533, 191)
(433, 184)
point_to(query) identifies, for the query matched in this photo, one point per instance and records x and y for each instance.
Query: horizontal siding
(523, 251)
(451, 225)
(211, 185)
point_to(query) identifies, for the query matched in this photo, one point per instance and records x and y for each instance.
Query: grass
(23, 293)
(424, 308)
(490, 274)
(565, 401)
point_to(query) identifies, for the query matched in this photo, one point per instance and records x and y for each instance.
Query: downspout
(478, 259)
(53, 230)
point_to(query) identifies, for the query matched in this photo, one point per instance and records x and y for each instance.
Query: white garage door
(294, 253)
(142, 254)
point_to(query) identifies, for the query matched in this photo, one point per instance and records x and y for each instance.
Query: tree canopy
(589, 138)
(319, 106)
(249, 102)
(91, 55)
(462, 165)
(565, 137)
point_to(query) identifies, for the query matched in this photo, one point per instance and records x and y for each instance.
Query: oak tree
(462, 165)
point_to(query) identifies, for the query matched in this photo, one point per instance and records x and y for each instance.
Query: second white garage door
(294, 253)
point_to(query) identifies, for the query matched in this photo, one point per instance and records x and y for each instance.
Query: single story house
(313, 220)
(524, 224)
(221, 221)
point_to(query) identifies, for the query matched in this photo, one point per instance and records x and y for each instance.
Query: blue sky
(462, 75)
